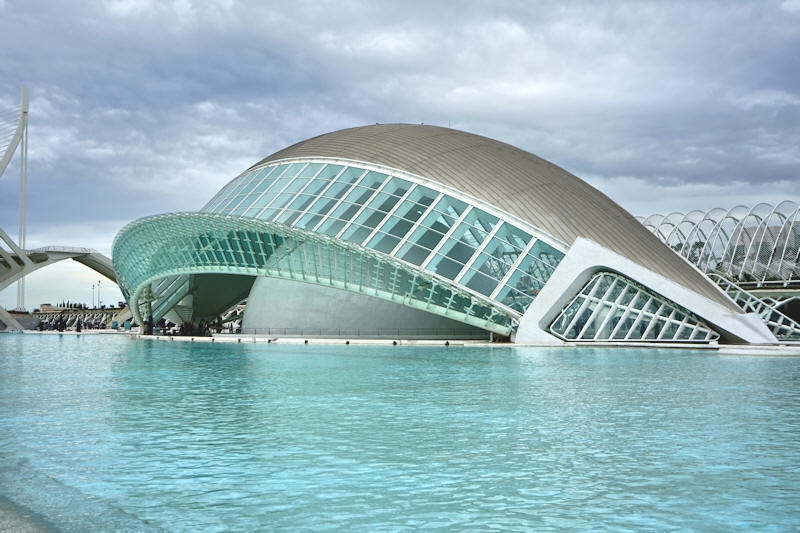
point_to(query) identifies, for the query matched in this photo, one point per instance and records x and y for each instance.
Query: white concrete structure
(396, 227)
(13, 134)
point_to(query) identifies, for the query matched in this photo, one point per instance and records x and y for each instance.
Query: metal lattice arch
(756, 247)
(420, 231)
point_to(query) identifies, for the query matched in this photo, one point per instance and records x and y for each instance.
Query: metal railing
(371, 333)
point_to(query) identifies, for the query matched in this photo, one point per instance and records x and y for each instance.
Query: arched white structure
(755, 247)
(13, 126)
(14, 133)
(16, 263)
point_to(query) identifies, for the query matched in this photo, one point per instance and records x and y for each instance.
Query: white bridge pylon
(13, 133)
(15, 261)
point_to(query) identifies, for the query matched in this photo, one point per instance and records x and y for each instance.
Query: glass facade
(155, 256)
(397, 215)
(613, 308)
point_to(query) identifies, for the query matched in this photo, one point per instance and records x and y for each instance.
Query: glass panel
(238, 211)
(580, 323)
(628, 322)
(261, 186)
(252, 212)
(414, 253)
(251, 184)
(416, 203)
(295, 208)
(432, 229)
(423, 237)
(249, 178)
(329, 172)
(514, 237)
(616, 289)
(316, 185)
(261, 201)
(514, 298)
(450, 210)
(548, 257)
(296, 185)
(461, 245)
(311, 170)
(450, 267)
(293, 170)
(376, 211)
(357, 197)
(496, 259)
(383, 242)
(480, 282)
(280, 201)
(325, 203)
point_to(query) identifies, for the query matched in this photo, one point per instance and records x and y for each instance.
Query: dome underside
(513, 180)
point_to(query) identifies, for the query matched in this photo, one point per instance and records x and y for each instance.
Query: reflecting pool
(104, 432)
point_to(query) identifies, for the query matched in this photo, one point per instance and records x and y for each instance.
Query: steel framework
(756, 247)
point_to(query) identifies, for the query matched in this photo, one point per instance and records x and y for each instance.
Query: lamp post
(92, 295)
(98, 293)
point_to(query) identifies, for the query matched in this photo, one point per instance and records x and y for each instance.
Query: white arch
(735, 240)
(13, 125)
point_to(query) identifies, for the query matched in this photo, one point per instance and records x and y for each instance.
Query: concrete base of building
(286, 308)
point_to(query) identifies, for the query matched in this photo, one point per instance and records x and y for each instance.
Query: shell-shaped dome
(512, 180)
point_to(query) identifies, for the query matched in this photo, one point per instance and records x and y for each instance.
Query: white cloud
(127, 8)
(766, 98)
(791, 6)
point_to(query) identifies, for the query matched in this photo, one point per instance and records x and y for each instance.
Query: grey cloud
(147, 106)
(135, 97)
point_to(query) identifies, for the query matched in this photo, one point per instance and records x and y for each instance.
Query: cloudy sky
(140, 107)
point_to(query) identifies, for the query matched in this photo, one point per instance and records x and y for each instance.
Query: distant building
(420, 231)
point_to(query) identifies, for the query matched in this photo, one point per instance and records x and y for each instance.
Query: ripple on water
(187, 436)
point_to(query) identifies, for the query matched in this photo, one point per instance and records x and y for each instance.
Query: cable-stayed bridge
(16, 261)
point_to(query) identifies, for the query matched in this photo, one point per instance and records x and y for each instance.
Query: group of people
(61, 324)
(186, 329)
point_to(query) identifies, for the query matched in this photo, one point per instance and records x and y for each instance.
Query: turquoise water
(102, 432)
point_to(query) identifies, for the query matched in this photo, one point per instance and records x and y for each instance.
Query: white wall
(280, 304)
